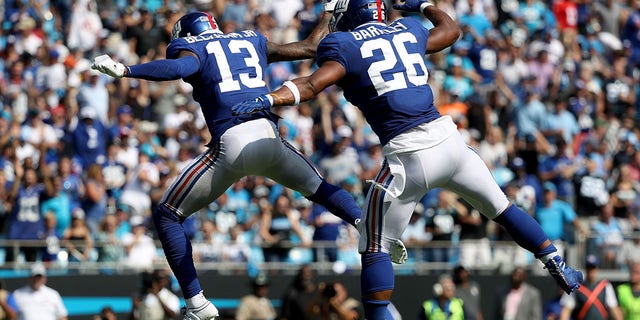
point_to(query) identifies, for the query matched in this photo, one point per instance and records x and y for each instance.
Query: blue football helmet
(349, 14)
(193, 24)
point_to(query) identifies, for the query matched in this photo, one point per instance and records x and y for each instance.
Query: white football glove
(108, 66)
(329, 5)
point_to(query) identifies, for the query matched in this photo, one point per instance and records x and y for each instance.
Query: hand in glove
(329, 5)
(412, 5)
(250, 106)
(108, 66)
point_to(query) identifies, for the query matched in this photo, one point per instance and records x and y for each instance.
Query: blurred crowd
(545, 91)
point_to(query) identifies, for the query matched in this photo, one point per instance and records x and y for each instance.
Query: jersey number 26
(392, 51)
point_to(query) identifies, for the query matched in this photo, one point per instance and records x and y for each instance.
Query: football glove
(412, 5)
(263, 102)
(329, 5)
(108, 66)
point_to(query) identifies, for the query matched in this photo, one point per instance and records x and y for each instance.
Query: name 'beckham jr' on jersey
(384, 52)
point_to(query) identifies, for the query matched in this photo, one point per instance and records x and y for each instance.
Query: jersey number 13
(228, 83)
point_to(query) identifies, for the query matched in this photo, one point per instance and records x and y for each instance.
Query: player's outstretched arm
(445, 31)
(293, 92)
(158, 70)
(304, 49)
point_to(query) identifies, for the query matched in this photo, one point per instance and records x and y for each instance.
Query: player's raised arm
(445, 31)
(303, 49)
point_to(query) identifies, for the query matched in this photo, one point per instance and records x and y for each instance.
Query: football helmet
(349, 14)
(193, 24)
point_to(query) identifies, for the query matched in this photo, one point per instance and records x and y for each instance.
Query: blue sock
(525, 230)
(337, 201)
(377, 275)
(376, 309)
(177, 249)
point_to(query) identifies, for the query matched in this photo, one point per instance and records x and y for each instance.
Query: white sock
(196, 301)
(548, 257)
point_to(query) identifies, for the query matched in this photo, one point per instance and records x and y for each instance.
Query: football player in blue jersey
(381, 69)
(225, 69)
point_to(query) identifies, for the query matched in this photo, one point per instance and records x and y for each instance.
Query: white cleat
(398, 251)
(205, 312)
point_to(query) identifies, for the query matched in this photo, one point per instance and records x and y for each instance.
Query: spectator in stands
(26, 222)
(554, 215)
(124, 120)
(156, 301)
(443, 304)
(256, 305)
(144, 177)
(276, 226)
(6, 311)
(106, 313)
(333, 302)
(115, 173)
(469, 291)
(591, 189)
(475, 249)
(630, 252)
(415, 236)
(559, 168)
(628, 294)
(607, 237)
(441, 224)
(88, 138)
(71, 181)
(140, 249)
(552, 308)
(59, 205)
(595, 299)
(299, 295)
(207, 247)
(520, 301)
(624, 198)
(326, 231)
(94, 203)
(236, 249)
(109, 244)
(78, 238)
(36, 300)
(51, 238)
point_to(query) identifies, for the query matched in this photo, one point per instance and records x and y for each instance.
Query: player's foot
(568, 278)
(398, 251)
(205, 312)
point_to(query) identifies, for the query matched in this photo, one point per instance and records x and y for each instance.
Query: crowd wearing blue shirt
(555, 81)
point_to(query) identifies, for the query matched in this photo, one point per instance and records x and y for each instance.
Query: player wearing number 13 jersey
(225, 69)
(380, 67)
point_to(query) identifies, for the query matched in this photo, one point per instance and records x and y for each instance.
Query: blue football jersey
(231, 71)
(386, 76)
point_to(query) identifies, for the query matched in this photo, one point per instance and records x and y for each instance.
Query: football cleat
(568, 279)
(397, 252)
(206, 311)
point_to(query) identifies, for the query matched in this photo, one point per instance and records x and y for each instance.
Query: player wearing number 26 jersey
(225, 69)
(380, 67)
(387, 58)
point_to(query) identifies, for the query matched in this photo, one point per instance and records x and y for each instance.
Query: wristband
(270, 98)
(294, 90)
(424, 5)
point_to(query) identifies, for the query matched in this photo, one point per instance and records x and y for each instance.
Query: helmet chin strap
(379, 5)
